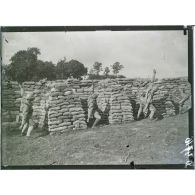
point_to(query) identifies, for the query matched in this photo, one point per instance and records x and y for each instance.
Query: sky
(138, 51)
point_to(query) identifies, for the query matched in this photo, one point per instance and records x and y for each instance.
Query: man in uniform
(27, 111)
(93, 110)
(185, 97)
(146, 100)
(19, 116)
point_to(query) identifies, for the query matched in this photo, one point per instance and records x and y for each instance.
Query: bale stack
(65, 112)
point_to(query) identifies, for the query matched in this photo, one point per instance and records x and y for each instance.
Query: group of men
(94, 112)
(145, 104)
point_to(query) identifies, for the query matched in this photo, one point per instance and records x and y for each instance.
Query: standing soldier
(146, 100)
(185, 97)
(43, 123)
(19, 117)
(27, 111)
(93, 110)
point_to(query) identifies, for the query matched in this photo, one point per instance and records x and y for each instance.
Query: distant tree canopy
(116, 67)
(97, 68)
(101, 77)
(45, 70)
(25, 66)
(106, 71)
(72, 68)
(91, 71)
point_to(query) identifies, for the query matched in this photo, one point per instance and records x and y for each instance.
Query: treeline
(94, 72)
(25, 66)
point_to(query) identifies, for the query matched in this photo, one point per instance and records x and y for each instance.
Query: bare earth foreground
(144, 142)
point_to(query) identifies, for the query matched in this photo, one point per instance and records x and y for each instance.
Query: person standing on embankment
(145, 104)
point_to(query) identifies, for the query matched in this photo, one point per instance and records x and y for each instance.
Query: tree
(91, 71)
(23, 65)
(116, 67)
(60, 69)
(76, 69)
(72, 68)
(97, 67)
(33, 50)
(45, 70)
(4, 70)
(106, 71)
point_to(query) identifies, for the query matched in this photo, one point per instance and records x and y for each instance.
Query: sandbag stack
(170, 109)
(169, 94)
(65, 112)
(84, 92)
(73, 83)
(165, 99)
(120, 107)
(69, 110)
(10, 101)
(87, 83)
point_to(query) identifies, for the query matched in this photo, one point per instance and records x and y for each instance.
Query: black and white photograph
(109, 97)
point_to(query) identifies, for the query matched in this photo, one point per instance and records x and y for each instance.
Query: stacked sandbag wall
(166, 98)
(65, 110)
(118, 104)
(10, 104)
(112, 93)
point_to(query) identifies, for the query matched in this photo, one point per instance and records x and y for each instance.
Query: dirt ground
(144, 142)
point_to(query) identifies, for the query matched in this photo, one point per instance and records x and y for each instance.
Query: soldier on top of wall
(145, 104)
(27, 111)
